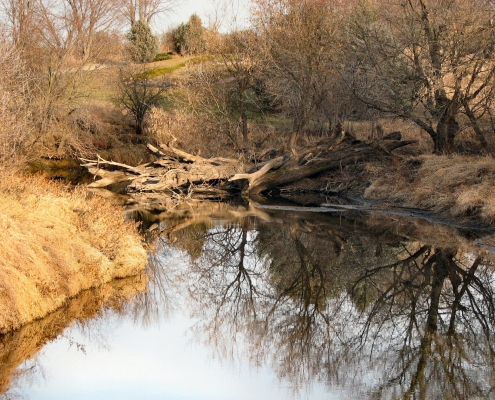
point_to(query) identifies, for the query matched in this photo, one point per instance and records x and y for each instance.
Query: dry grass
(200, 134)
(55, 244)
(457, 186)
(187, 131)
(364, 130)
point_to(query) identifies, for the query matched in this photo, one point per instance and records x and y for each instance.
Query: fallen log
(252, 177)
(176, 172)
(303, 166)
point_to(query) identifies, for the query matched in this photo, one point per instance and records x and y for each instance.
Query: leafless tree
(14, 104)
(146, 10)
(298, 43)
(56, 39)
(429, 62)
(138, 95)
(89, 19)
(19, 15)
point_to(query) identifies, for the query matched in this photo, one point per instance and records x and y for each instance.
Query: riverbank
(454, 187)
(457, 188)
(55, 243)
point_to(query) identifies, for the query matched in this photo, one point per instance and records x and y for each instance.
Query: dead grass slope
(55, 243)
(459, 187)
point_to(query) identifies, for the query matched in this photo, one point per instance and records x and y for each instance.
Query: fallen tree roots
(177, 172)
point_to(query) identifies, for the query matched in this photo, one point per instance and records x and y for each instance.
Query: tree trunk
(446, 131)
(475, 126)
(244, 120)
(447, 126)
(293, 139)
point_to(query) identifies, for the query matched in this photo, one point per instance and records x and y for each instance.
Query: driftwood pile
(174, 172)
(177, 172)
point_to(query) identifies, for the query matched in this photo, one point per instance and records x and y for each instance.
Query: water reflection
(367, 307)
(372, 306)
(23, 345)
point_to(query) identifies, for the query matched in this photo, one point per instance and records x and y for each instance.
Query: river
(245, 302)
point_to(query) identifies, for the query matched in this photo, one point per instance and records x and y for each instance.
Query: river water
(246, 302)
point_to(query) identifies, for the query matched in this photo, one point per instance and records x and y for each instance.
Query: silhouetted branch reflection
(372, 309)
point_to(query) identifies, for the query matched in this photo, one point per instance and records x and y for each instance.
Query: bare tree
(14, 104)
(138, 96)
(429, 62)
(146, 10)
(19, 15)
(239, 69)
(298, 42)
(56, 39)
(90, 18)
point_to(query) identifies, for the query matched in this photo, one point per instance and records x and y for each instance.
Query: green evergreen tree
(189, 38)
(195, 41)
(179, 36)
(143, 45)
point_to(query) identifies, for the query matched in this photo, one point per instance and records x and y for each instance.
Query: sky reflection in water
(265, 304)
(122, 359)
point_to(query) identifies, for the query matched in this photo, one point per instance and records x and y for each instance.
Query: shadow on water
(376, 306)
(372, 305)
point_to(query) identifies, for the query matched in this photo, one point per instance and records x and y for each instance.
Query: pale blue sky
(205, 9)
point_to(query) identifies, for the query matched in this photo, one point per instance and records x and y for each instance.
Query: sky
(205, 9)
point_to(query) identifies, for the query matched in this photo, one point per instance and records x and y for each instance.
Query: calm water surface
(256, 303)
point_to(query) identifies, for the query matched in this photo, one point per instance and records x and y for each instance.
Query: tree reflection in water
(383, 314)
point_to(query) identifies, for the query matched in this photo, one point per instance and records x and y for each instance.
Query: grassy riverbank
(453, 187)
(458, 187)
(56, 243)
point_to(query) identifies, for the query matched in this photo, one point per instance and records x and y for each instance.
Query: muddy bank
(56, 243)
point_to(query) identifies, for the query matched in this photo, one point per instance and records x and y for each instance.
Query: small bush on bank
(162, 57)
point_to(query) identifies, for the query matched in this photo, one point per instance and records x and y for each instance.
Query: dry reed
(55, 244)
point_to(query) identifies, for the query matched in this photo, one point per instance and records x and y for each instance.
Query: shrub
(143, 45)
(162, 57)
